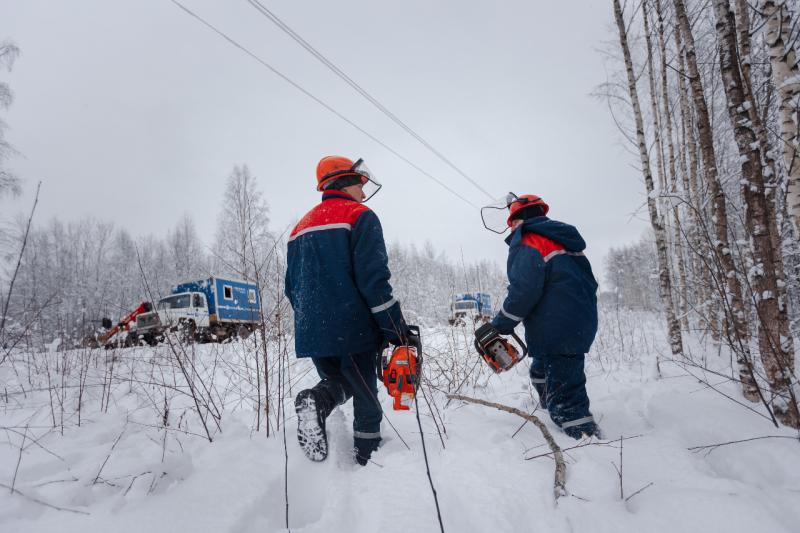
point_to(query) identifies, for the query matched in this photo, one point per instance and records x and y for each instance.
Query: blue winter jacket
(551, 289)
(337, 280)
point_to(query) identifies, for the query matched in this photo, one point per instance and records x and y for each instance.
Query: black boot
(363, 448)
(311, 411)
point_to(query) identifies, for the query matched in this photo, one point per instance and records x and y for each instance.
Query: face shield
(495, 215)
(370, 185)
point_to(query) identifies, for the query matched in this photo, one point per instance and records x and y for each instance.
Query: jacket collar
(331, 195)
(527, 226)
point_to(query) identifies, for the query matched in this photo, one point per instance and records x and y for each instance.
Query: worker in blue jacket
(337, 281)
(552, 291)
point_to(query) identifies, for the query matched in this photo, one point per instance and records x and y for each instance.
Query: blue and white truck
(205, 310)
(472, 306)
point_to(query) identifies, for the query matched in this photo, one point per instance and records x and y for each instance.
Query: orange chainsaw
(402, 371)
(496, 350)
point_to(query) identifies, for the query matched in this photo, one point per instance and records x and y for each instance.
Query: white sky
(134, 112)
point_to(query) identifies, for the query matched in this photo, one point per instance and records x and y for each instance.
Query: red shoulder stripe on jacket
(331, 214)
(548, 248)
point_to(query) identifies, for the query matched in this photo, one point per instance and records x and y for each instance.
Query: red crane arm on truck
(144, 307)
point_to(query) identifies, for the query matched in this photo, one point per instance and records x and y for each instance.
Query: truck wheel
(243, 332)
(131, 340)
(187, 332)
(204, 335)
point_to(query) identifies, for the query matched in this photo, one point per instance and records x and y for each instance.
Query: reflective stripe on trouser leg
(577, 422)
(364, 435)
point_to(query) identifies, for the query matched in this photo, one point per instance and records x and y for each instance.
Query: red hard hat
(524, 201)
(332, 167)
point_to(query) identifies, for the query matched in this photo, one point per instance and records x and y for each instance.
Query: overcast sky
(134, 112)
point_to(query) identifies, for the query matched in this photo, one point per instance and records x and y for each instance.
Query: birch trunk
(757, 219)
(722, 250)
(665, 280)
(666, 119)
(786, 341)
(691, 181)
(786, 74)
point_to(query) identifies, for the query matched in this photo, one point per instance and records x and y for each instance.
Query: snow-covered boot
(582, 431)
(362, 451)
(311, 414)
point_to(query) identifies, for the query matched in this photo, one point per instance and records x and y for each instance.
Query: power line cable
(363, 92)
(320, 102)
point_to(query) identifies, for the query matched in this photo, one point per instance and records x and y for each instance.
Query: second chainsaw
(498, 352)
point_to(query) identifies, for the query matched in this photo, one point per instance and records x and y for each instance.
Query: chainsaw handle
(521, 345)
(413, 338)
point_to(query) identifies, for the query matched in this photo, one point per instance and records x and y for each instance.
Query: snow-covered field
(140, 460)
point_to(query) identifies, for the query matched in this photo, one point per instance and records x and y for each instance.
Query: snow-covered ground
(122, 471)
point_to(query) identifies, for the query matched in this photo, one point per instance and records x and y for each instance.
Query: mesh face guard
(495, 215)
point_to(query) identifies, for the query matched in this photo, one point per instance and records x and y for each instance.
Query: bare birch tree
(732, 295)
(671, 178)
(656, 221)
(757, 219)
(243, 241)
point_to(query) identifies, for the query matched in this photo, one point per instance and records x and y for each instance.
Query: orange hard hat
(522, 202)
(332, 167)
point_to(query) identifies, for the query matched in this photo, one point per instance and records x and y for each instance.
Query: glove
(413, 339)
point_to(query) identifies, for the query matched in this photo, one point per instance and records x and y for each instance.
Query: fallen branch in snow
(560, 481)
(609, 443)
(712, 447)
(40, 502)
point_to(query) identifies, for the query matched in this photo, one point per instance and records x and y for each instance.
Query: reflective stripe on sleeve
(509, 315)
(538, 381)
(554, 253)
(577, 422)
(365, 435)
(384, 307)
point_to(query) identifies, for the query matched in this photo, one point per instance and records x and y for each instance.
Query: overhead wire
(321, 102)
(261, 8)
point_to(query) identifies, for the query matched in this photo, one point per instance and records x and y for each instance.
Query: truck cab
(187, 306)
(470, 306)
(187, 309)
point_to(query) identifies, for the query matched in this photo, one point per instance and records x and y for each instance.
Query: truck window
(179, 301)
(251, 296)
(227, 292)
(199, 301)
(461, 306)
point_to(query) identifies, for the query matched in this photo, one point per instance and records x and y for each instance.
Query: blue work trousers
(353, 376)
